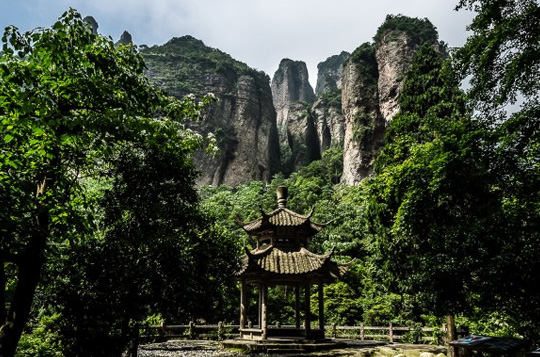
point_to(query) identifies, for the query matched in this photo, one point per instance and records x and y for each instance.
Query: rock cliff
(93, 23)
(364, 124)
(327, 109)
(290, 84)
(125, 39)
(329, 121)
(329, 73)
(243, 120)
(293, 96)
(371, 85)
(263, 129)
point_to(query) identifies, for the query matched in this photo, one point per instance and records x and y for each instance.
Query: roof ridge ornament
(282, 193)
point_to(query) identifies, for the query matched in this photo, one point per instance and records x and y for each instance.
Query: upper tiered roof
(281, 217)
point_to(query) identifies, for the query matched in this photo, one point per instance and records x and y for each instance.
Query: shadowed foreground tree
(154, 252)
(502, 60)
(430, 200)
(71, 102)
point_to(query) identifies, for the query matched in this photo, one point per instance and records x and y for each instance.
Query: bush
(42, 341)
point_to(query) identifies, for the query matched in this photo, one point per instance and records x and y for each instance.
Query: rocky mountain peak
(243, 120)
(396, 42)
(92, 22)
(372, 82)
(125, 39)
(291, 84)
(329, 73)
(292, 95)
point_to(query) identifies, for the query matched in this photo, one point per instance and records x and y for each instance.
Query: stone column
(321, 307)
(264, 311)
(259, 316)
(243, 304)
(307, 311)
(297, 305)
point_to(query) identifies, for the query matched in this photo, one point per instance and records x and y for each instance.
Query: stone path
(185, 348)
(190, 348)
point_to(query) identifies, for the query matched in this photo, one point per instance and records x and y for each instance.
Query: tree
(502, 54)
(153, 252)
(69, 101)
(430, 198)
(502, 60)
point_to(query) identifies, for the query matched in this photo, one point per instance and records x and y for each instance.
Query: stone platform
(285, 345)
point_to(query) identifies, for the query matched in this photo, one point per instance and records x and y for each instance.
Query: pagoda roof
(282, 217)
(301, 264)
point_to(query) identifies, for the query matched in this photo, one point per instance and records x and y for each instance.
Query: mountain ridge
(266, 126)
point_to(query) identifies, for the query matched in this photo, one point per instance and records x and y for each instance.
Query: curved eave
(275, 265)
(281, 217)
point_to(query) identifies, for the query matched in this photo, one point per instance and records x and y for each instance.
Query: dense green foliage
(366, 62)
(429, 196)
(185, 65)
(362, 296)
(419, 30)
(331, 99)
(100, 222)
(502, 58)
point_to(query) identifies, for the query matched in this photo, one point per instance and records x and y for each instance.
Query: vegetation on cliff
(363, 57)
(418, 30)
(329, 73)
(430, 196)
(186, 65)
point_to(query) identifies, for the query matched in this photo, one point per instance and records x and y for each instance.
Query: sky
(259, 33)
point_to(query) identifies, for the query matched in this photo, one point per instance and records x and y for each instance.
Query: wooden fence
(220, 331)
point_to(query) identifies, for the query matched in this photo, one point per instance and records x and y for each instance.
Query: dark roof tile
(281, 217)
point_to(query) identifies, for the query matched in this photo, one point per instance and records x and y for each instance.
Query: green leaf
(8, 138)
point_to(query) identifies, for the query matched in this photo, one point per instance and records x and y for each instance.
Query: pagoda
(281, 257)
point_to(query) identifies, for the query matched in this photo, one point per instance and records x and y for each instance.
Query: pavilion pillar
(321, 307)
(307, 311)
(259, 305)
(264, 311)
(243, 302)
(297, 305)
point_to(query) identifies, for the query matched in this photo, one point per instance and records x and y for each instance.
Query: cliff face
(243, 120)
(327, 112)
(329, 122)
(292, 96)
(290, 84)
(263, 129)
(371, 85)
(329, 73)
(394, 55)
(364, 124)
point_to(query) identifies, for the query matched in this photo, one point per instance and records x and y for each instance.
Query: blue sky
(257, 32)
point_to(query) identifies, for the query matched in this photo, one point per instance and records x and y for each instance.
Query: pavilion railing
(220, 331)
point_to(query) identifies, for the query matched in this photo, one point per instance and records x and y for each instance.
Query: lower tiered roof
(275, 264)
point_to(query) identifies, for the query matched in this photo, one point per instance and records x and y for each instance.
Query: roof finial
(282, 196)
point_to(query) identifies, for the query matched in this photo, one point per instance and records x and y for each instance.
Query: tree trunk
(132, 348)
(29, 272)
(451, 333)
(3, 282)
